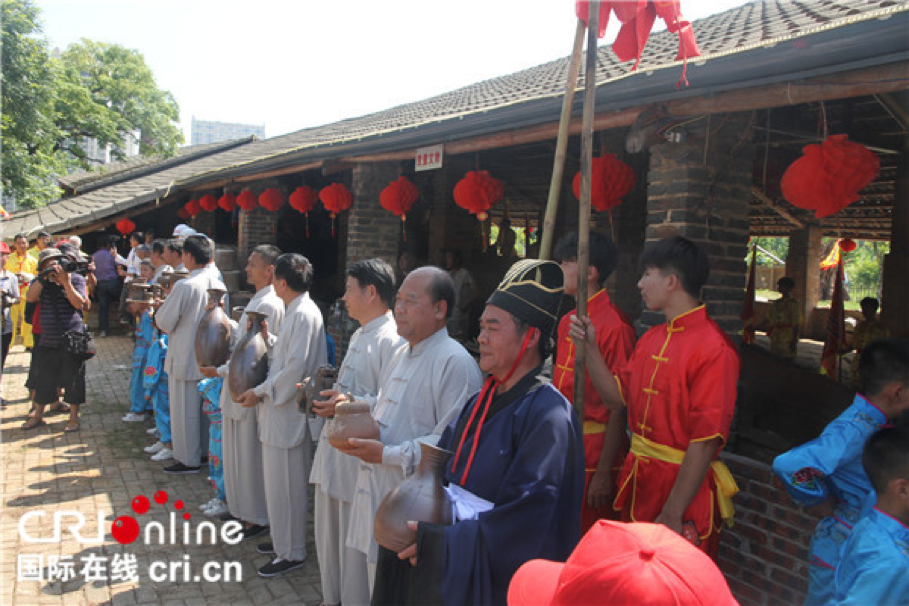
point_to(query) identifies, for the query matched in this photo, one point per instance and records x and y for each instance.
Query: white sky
(291, 64)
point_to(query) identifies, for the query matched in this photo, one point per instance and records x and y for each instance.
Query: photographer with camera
(9, 296)
(62, 296)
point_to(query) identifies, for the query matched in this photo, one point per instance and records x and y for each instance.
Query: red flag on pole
(748, 311)
(836, 328)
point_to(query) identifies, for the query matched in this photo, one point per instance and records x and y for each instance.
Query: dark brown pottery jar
(420, 498)
(351, 420)
(213, 333)
(249, 362)
(325, 378)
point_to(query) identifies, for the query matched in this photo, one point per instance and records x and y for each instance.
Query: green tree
(101, 91)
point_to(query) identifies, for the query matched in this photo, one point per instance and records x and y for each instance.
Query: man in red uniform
(605, 442)
(679, 387)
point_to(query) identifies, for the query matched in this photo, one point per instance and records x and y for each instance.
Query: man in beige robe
(297, 352)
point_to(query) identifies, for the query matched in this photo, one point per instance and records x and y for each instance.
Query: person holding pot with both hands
(62, 296)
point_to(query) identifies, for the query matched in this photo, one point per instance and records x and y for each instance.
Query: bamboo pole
(590, 81)
(558, 164)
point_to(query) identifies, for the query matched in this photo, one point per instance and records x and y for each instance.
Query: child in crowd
(785, 317)
(874, 563)
(144, 333)
(828, 470)
(869, 329)
(211, 406)
(146, 270)
(154, 380)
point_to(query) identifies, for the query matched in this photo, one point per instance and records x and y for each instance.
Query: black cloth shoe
(279, 566)
(265, 548)
(254, 531)
(180, 469)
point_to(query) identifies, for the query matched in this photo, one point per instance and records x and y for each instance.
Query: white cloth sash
(464, 504)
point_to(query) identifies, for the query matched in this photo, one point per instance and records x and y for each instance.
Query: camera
(72, 265)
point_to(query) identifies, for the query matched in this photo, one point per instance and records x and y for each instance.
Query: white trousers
(244, 481)
(286, 485)
(189, 430)
(342, 569)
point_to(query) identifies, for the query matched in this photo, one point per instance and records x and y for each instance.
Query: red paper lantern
(192, 207)
(181, 212)
(208, 203)
(477, 192)
(828, 176)
(610, 180)
(397, 198)
(303, 199)
(227, 202)
(125, 226)
(847, 245)
(336, 198)
(247, 200)
(271, 199)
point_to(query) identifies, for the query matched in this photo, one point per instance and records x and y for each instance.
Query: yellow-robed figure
(25, 267)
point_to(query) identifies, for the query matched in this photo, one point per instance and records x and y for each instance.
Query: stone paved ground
(102, 467)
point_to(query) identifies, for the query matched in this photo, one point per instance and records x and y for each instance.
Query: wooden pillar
(895, 293)
(803, 265)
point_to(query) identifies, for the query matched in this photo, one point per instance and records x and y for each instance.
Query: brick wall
(257, 226)
(701, 188)
(372, 231)
(765, 555)
(204, 223)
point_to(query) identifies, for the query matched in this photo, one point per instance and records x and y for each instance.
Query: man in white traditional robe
(369, 295)
(179, 316)
(157, 258)
(420, 394)
(244, 484)
(297, 352)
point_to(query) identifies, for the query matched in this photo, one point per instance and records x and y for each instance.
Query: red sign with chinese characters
(429, 158)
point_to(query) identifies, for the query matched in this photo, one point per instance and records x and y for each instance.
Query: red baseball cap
(617, 563)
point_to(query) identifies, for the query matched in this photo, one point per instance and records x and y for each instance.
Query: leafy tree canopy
(93, 89)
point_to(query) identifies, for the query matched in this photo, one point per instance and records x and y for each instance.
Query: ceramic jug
(324, 378)
(249, 362)
(420, 498)
(213, 333)
(351, 420)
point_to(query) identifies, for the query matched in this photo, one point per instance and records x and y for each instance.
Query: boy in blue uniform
(145, 334)
(874, 563)
(211, 407)
(828, 470)
(154, 380)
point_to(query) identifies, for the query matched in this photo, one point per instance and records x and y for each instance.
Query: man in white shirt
(369, 295)
(179, 316)
(297, 352)
(420, 394)
(173, 254)
(158, 247)
(241, 454)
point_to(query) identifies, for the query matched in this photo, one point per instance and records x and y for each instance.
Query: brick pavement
(102, 467)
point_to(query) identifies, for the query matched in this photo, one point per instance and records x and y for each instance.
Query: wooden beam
(278, 172)
(766, 201)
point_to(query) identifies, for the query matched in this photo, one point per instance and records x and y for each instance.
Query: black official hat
(531, 291)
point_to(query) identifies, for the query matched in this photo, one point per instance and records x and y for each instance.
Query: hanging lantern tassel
(307, 224)
(397, 198)
(404, 227)
(303, 199)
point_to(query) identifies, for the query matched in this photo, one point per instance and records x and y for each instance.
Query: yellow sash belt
(592, 427)
(725, 483)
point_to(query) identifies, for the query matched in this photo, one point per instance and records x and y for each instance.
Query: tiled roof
(753, 26)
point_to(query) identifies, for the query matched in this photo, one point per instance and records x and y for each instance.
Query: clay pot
(249, 362)
(213, 333)
(324, 378)
(139, 292)
(351, 420)
(237, 313)
(419, 499)
(165, 278)
(179, 274)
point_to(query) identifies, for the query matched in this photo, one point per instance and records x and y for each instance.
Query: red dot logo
(185, 516)
(160, 497)
(140, 504)
(125, 529)
(178, 504)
